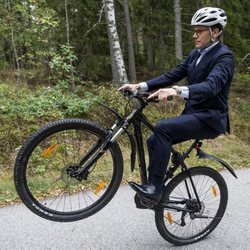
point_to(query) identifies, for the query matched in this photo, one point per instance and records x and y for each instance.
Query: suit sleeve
(219, 76)
(171, 77)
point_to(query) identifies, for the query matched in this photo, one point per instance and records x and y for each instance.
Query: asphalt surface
(121, 226)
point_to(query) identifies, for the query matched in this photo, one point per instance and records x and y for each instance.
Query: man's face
(201, 37)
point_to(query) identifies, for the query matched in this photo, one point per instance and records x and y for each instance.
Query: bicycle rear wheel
(181, 227)
(44, 164)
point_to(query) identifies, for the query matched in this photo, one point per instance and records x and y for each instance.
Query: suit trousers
(171, 131)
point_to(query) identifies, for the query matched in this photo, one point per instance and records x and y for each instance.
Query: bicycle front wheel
(182, 220)
(43, 171)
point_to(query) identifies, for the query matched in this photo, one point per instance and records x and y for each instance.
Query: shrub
(22, 111)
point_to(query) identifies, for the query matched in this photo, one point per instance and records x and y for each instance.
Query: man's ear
(216, 33)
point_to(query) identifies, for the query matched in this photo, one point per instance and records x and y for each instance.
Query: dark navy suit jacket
(208, 82)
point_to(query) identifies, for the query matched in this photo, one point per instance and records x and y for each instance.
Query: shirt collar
(204, 51)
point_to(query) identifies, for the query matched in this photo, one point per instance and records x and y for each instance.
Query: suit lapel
(204, 61)
(193, 63)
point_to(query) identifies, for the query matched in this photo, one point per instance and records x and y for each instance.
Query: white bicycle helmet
(209, 16)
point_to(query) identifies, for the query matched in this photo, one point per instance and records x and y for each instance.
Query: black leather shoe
(148, 190)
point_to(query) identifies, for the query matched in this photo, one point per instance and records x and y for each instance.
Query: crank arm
(199, 216)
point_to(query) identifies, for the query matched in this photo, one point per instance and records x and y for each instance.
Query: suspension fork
(98, 149)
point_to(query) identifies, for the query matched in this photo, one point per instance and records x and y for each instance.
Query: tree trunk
(150, 43)
(150, 40)
(178, 30)
(14, 50)
(115, 75)
(66, 19)
(68, 42)
(151, 54)
(115, 47)
(15, 55)
(161, 51)
(131, 55)
(198, 4)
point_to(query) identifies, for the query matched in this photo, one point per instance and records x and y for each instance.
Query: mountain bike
(70, 169)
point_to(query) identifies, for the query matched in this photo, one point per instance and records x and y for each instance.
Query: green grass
(8, 193)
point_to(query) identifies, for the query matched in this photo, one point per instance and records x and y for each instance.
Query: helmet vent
(200, 19)
(211, 20)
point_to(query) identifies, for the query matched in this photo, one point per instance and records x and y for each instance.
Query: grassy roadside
(232, 148)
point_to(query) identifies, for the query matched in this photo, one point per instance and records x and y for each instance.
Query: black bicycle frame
(137, 122)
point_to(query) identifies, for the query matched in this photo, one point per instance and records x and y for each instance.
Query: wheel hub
(73, 171)
(192, 204)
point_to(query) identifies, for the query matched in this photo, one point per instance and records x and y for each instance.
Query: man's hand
(132, 87)
(163, 94)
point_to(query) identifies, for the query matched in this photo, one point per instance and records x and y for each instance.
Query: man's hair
(218, 26)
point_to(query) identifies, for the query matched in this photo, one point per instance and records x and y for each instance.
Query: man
(209, 70)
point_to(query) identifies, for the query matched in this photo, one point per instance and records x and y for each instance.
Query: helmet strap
(220, 32)
(211, 34)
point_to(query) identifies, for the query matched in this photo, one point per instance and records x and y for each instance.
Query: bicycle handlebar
(142, 96)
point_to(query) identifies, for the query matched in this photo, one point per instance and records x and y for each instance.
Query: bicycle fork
(95, 152)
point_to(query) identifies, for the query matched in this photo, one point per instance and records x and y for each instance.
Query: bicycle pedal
(139, 204)
(143, 202)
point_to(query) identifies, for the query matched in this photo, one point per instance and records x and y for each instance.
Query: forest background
(61, 58)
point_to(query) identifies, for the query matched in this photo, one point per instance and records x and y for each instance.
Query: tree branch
(99, 20)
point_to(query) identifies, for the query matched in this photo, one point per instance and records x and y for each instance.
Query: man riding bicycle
(209, 71)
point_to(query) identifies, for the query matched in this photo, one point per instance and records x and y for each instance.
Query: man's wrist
(177, 89)
(143, 86)
(182, 91)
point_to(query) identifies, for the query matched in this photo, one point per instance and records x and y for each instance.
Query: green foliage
(22, 111)
(27, 27)
(62, 64)
(240, 107)
(37, 27)
(63, 71)
(53, 102)
(109, 95)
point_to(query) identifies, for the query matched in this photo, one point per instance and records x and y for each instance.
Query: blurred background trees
(154, 35)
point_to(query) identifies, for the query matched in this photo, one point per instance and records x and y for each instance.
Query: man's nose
(195, 35)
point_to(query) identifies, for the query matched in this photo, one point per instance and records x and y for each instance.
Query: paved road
(121, 226)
